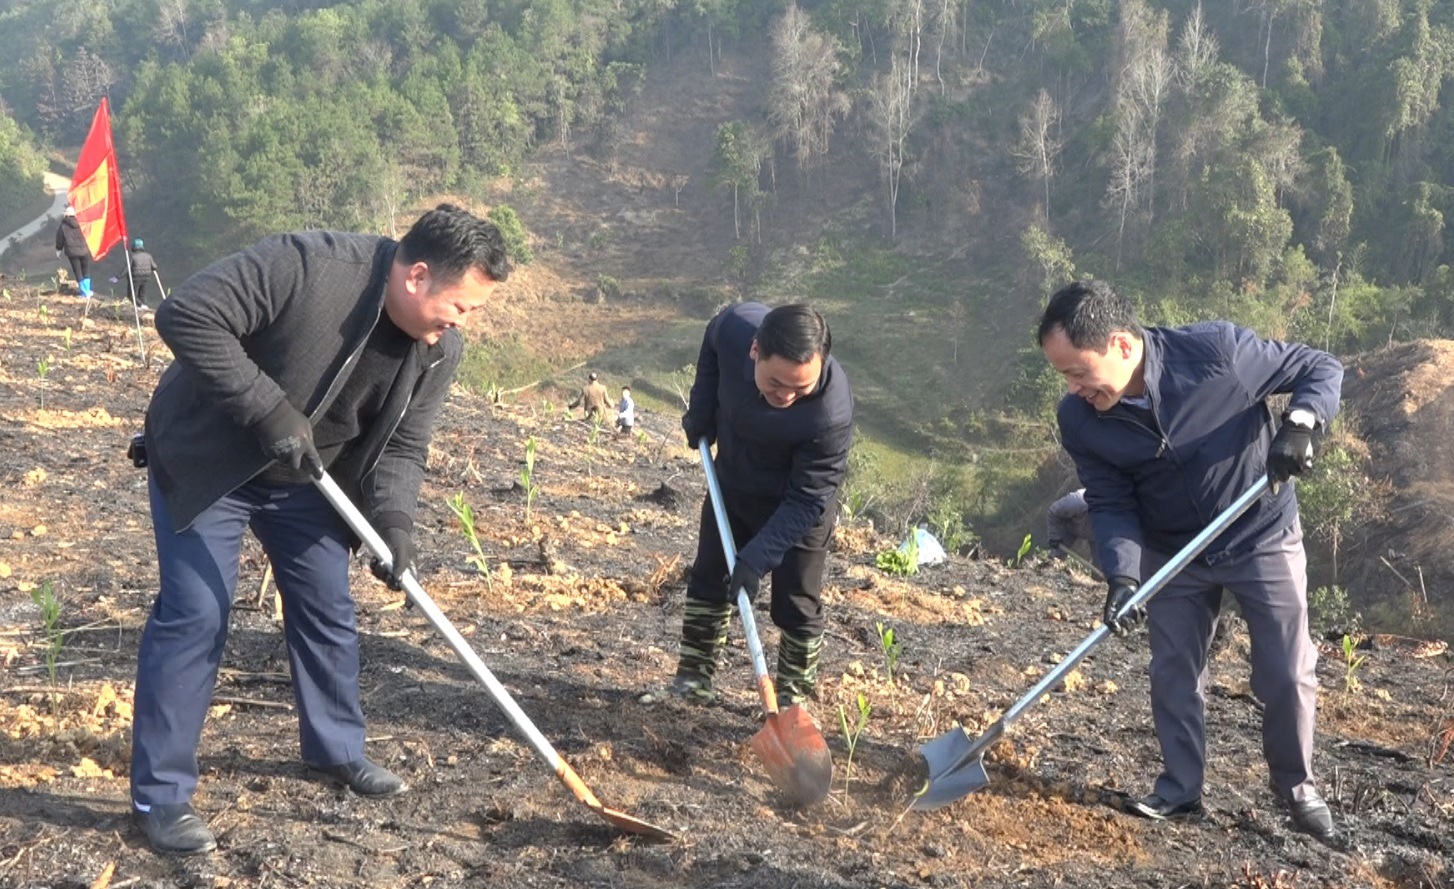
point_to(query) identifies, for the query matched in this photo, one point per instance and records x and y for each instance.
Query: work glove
(1120, 592)
(1056, 552)
(699, 427)
(286, 436)
(394, 527)
(745, 577)
(1291, 452)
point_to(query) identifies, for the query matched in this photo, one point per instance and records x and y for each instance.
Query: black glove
(1056, 552)
(1291, 452)
(287, 437)
(698, 427)
(1121, 591)
(744, 577)
(395, 529)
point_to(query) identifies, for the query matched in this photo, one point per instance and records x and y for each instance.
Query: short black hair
(797, 332)
(1089, 312)
(452, 240)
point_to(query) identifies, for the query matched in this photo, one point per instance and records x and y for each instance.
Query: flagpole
(135, 309)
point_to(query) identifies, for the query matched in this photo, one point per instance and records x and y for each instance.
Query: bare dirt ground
(580, 615)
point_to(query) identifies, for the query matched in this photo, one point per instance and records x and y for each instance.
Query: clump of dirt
(577, 610)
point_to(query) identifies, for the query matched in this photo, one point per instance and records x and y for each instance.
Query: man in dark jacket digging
(307, 350)
(1167, 427)
(779, 408)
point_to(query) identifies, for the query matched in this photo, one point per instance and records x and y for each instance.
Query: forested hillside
(925, 169)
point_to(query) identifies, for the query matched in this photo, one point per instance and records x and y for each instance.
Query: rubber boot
(797, 668)
(86, 288)
(704, 635)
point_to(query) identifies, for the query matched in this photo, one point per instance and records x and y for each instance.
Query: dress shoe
(175, 829)
(1311, 816)
(1158, 809)
(365, 778)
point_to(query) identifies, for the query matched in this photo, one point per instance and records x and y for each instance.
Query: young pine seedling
(891, 646)
(50, 614)
(527, 477)
(466, 515)
(1352, 660)
(1025, 546)
(852, 733)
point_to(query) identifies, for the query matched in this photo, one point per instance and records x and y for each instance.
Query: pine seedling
(1025, 546)
(466, 515)
(891, 646)
(527, 477)
(50, 615)
(852, 733)
(1352, 660)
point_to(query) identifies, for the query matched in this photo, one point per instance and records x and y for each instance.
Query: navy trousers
(181, 646)
(1271, 588)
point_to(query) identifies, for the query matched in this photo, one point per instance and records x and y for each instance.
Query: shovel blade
(795, 755)
(954, 772)
(634, 825)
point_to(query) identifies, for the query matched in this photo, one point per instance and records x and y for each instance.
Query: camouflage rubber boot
(797, 668)
(704, 634)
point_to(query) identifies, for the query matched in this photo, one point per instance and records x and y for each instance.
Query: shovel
(789, 744)
(498, 692)
(956, 763)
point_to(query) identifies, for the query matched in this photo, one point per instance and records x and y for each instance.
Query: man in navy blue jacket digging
(1167, 427)
(779, 408)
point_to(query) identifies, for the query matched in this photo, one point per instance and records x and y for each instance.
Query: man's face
(424, 307)
(782, 381)
(1101, 378)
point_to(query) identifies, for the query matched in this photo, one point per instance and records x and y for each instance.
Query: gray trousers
(1271, 587)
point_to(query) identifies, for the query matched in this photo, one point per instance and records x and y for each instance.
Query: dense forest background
(928, 169)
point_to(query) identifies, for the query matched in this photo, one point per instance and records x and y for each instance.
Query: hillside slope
(579, 616)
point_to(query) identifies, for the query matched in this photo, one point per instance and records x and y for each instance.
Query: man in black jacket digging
(780, 410)
(313, 349)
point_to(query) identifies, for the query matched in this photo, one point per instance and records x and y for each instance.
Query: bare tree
(891, 118)
(1143, 83)
(1039, 146)
(804, 101)
(944, 12)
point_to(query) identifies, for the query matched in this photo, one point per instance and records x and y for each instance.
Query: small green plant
(50, 614)
(593, 435)
(891, 646)
(527, 477)
(1330, 610)
(42, 368)
(1025, 546)
(900, 561)
(1352, 660)
(852, 733)
(44, 312)
(66, 338)
(5, 293)
(641, 437)
(466, 515)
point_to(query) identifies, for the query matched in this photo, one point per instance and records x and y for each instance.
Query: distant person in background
(593, 398)
(1067, 521)
(143, 269)
(71, 242)
(625, 412)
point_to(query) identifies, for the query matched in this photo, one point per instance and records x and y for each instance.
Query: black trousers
(80, 267)
(797, 584)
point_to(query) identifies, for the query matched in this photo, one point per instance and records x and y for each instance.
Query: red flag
(96, 188)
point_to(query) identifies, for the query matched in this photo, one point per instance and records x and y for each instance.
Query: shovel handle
(501, 695)
(1147, 590)
(765, 688)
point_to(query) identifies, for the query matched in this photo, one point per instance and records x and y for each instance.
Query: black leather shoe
(1158, 809)
(175, 829)
(1311, 816)
(365, 778)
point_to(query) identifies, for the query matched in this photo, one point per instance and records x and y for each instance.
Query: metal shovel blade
(633, 825)
(796, 757)
(954, 771)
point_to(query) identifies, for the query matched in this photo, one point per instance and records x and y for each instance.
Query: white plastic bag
(930, 551)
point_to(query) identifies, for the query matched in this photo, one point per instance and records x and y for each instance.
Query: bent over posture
(1167, 427)
(308, 350)
(779, 408)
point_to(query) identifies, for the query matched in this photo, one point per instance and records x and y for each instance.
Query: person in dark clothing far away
(308, 351)
(1167, 427)
(71, 243)
(780, 410)
(143, 269)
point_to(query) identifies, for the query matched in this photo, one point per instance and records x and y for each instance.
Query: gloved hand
(699, 427)
(744, 577)
(1056, 552)
(58, 254)
(394, 528)
(1291, 451)
(286, 436)
(1120, 592)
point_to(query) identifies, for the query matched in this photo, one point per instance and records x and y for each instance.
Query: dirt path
(55, 185)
